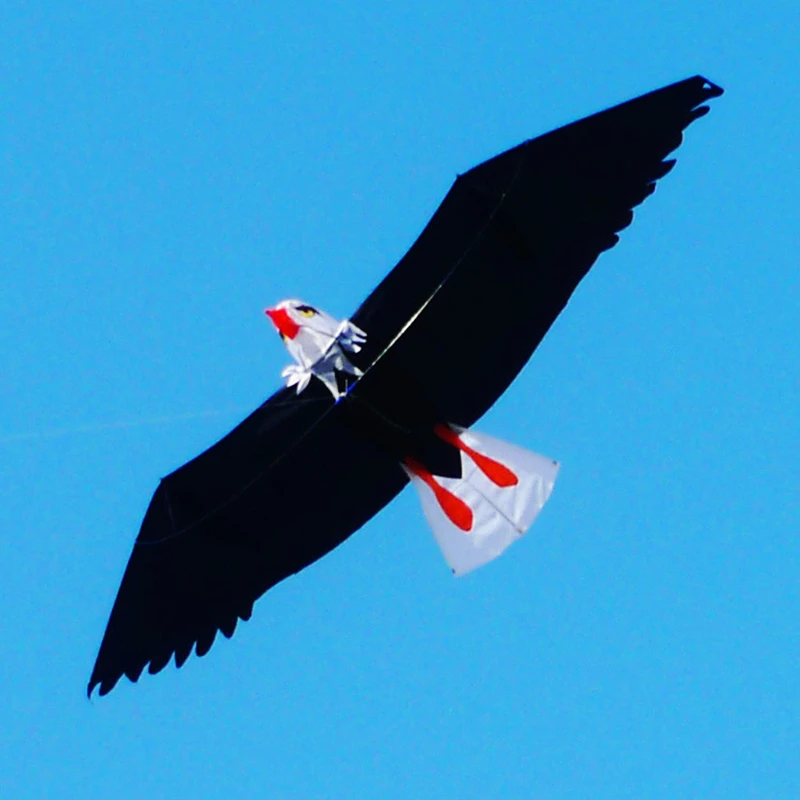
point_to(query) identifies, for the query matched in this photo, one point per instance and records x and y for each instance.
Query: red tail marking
(283, 322)
(496, 472)
(457, 511)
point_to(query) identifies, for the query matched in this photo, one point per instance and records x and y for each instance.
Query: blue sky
(168, 170)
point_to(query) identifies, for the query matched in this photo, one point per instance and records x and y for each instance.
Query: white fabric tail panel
(500, 514)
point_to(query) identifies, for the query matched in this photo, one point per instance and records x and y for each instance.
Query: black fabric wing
(467, 305)
(281, 490)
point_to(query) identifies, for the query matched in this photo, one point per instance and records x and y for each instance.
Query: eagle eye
(306, 311)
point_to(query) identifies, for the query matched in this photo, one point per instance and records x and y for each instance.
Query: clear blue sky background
(168, 169)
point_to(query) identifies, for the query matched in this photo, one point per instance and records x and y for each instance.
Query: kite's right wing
(465, 308)
(281, 490)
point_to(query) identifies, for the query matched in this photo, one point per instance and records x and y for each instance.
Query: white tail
(476, 517)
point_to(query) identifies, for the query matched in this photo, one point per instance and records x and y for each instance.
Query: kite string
(99, 427)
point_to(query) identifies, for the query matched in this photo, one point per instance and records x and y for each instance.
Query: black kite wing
(517, 234)
(280, 491)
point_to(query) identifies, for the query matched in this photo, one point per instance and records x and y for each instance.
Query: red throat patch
(283, 322)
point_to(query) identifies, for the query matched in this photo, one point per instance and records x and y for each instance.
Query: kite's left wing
(281, 490)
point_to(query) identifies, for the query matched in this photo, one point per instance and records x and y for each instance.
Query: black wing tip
(200, 646)
(105, 684)
(98, 680)
(108, 681)
(709, 88)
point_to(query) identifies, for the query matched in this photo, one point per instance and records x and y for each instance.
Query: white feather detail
(297, 375)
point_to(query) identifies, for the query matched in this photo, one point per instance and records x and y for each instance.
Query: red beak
(281, 320)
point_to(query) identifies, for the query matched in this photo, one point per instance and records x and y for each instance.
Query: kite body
(480, 504)
(391, 396)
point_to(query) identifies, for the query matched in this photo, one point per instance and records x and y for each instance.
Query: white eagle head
(316, 341)
(293, 318)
